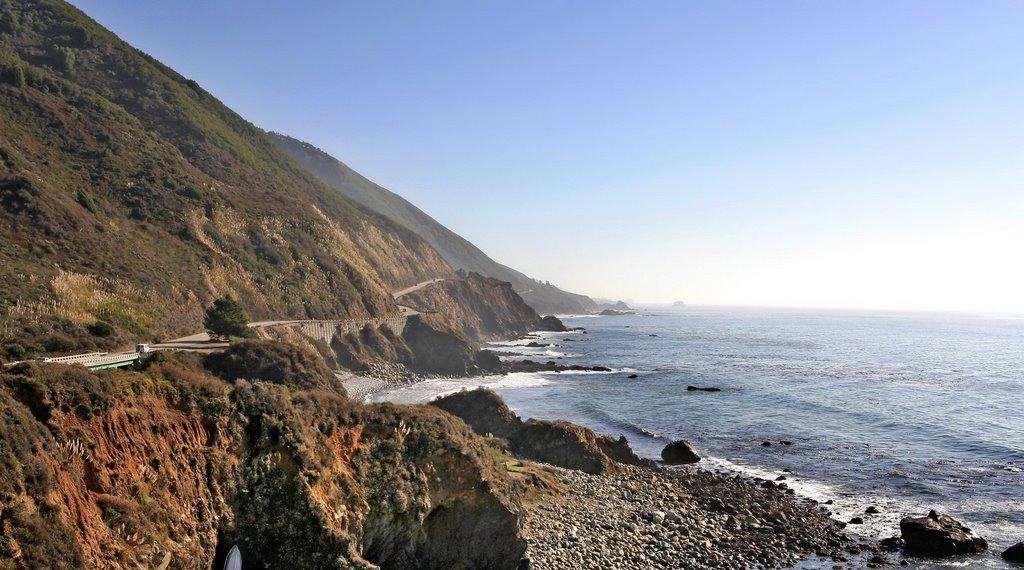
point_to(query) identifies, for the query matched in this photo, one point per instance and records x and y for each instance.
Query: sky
(861, 154)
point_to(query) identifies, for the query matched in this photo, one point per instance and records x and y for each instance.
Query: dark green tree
(226, 318)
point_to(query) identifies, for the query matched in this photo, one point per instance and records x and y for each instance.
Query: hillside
(460, 253)
(130, 197)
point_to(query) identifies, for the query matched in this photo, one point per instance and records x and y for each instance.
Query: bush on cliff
(276, 362)
(226, 318)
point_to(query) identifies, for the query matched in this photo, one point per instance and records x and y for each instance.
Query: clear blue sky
(854, 154)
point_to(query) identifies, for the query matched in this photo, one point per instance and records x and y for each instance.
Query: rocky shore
(682, 518)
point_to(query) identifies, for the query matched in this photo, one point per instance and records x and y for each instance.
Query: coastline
(833, 503)
(701, 516)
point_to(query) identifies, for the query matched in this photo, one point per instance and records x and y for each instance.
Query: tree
(226, 318)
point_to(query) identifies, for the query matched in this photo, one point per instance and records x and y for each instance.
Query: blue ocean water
(905, 412)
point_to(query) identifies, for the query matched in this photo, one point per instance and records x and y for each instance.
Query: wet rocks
(939, 535)
(637, 519)
(679, 452)
(702, 389)
(632, 376)
(549, 366)
(1015, 553)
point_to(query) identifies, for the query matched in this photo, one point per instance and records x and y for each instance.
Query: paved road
(201, 342)
(417, 287)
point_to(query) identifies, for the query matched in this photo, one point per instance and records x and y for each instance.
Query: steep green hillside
(129, 196)
(460, 253)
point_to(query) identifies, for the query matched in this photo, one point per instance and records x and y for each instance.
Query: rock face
(679, 453)
(429, 344)
(939, 535)
(484, 308)
(563, 444)
(559, 443)
(118, 469)
(1015, 553)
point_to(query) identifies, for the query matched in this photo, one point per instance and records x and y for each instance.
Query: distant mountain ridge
(456, 250)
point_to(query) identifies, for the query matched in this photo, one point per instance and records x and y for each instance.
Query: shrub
(101, 328)
(58, 342)
(273, 361)
(226, 318)
(17, 193)
(12, 69)
(9, 21)
(86, 200)
(65, 57)
(14, 351)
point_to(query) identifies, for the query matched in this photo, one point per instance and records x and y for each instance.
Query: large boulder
(559, 443)
(563, 444)
(620, 451)
(939, 535)
(679, 453)
(1015, 553)
(552, 323)
(483, 410)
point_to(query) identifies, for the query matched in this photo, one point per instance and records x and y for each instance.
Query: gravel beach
(683, 518)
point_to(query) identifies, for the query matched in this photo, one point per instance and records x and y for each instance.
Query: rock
(780, 478)
(872, 510)
(786, 442)
(632, 376)
(701, 389)
(679, 452)
(766, 444)
(615, 313)
(892, 544)
(939, 535)
(1015, 553)
(562, 444)
(535, 344)
(551, 323)
(619, 450)
(483, 410)
(856, 520)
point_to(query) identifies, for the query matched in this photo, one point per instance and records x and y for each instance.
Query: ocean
(901, 411)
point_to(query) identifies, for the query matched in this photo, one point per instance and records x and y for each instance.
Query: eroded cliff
(170, 466)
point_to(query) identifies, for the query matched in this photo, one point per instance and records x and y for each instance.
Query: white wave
(427, 390)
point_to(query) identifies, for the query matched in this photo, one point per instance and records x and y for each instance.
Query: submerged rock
(701, 389)
(1015, 553)
(679, 453)
(939, 535)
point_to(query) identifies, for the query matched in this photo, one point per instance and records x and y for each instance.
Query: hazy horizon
(787, 154)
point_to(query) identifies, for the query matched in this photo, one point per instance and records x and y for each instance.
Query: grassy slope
(459, 252)
(130, 195)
